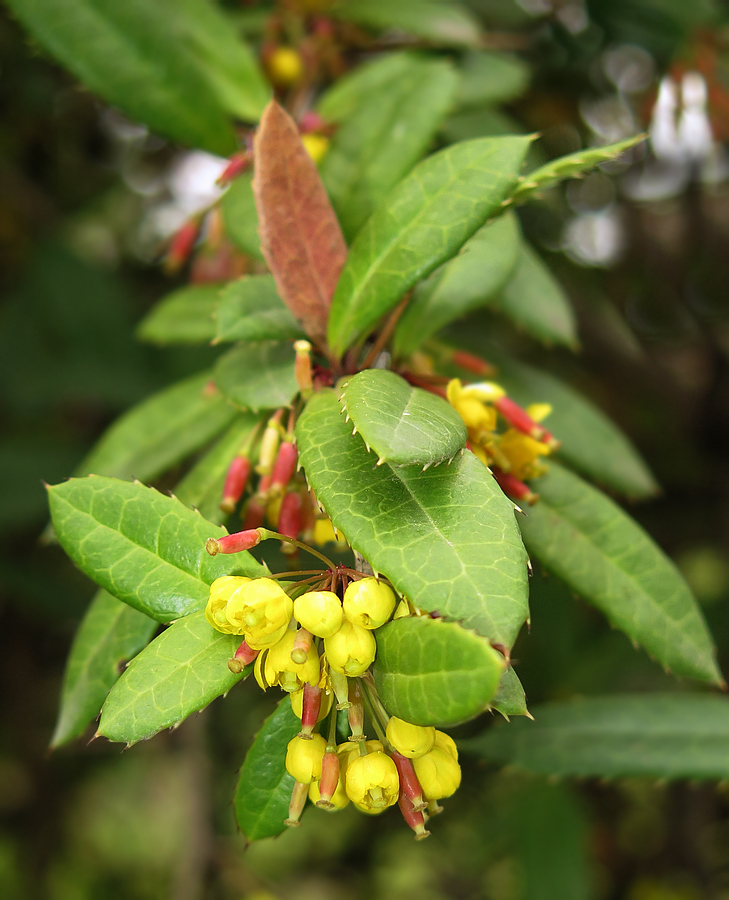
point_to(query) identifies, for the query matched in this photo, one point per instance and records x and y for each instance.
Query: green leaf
(175, 65)
(146, 549)
(440, 22)
(491, 78)
(656, 735)
(258, 376)
(509, 698)
(160, 431)
(348, 93)
(446, 538)
(110, 634)
(585, 539)
(431, 672)
(240, 219)
(251, 310)
(571, 166)
(469, 281)
(478, 123)
(384, 137)
(202, 487)
(591, 443)
(179, 673)
(264, 787)
(424, 222)
(404, 425)
(183, 317)
(534, 300)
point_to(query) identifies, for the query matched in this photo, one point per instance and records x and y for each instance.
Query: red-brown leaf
(300, 235)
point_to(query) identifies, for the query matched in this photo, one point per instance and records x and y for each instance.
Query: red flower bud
(289, 519)
(514, 488)
(311, 121)
(310, 708)
(519, 418)
(237, 164)
(284, 467)
(235, 482)
(330, 767)
(409, 784)
(233, 543)
(181, 246)
(472, 363)
(244, 656)
(413, 817)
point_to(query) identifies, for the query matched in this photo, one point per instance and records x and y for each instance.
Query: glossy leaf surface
(161, 431)
(183, 317)
(431, 672)
(109, 634)
(251, 310)
(469, 281)
(258, 376)
(424, 222)
(264, 786)
(603, 555)
(179, 673)
(656, 735)
(240, 219)
(446, 538)
(444, 23)
(144, 548)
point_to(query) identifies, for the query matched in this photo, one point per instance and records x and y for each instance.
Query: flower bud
(351, 650)
(438, 773)
(337, 801)
(410, 740)
(261, 609)
(368, 603)
(233, 543)
(269, 446)
(320, 612)
(280, 669)
(304, 758)
(297, 704)
(243, 657)
(289, 519)
(297, 804)
(372, 781)
(284, 467)
(446, 743)
(235, 482)
(285, 66)
(330, 778)
(302, 364)
(414, 817)
(221, 590)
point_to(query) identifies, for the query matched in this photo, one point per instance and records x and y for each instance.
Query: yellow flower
(320, 612)
(260, 608)
(221, 590)
(351, 650)
(368, 603)
(438, 773)
(410, 740)
(285, 66)
(372, 781)
(471, 406)
(522, 453)
(277, 667)
(316, 145)
(446, 743)
(324, 533)
(339, 797)
(304, 758)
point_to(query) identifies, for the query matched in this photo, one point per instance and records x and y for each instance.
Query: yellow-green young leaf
(110, 634)
(431, 672)
(404, 425)
(144, 548)
(446, 538)
(571, 166)
(240, 219)
(425, 221)
(656, 735)
(183, 317)
(488, 78)
(509, 698)
(381, 140)
(161, 431)
(258, 376)
(534, 300)
(264, 787)
(441, 22)
(469, 281)
(251, 310)
(350, 91)
(179, 673)
(585, 539)
(176, 65)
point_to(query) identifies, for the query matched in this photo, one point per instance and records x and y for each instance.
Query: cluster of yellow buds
(514, 455)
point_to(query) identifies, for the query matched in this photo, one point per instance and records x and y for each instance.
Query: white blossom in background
(595, 238)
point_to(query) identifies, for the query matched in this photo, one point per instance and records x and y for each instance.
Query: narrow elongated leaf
(264, 787)
(591, 443)
(431, 672)
(405, 426)
(146, 549)
(388, 133)
(470, 280)
(258, 376)
(585, 539)
(175, 65)
(443, 23)
(446, 538)
(509, 698)
(251, 310)
(534, 300)
(240, 219)
(202, 487)
(183, 317)
(424, 222)
(179, 673)
(160, 431)
(350, 91)
(657, 735)
(491, 78)
(571, 166)
(110, 634)
(300, 235)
